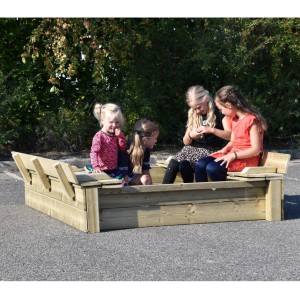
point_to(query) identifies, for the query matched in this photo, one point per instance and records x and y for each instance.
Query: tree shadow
(291, 207)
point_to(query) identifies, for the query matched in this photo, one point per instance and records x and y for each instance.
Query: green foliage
(261, 57)
(65, 130)
(52, 71)
(156, 83)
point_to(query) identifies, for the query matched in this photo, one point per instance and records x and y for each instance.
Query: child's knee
(173, 165)
(211, 168)
(216, 172)
(185, 165)
(146, 180)
(200, 164)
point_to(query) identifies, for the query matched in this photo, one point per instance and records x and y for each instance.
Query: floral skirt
(192, 153)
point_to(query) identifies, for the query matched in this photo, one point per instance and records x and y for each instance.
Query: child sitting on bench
(246, 143)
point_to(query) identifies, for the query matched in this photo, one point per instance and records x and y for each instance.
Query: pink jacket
(104, 150)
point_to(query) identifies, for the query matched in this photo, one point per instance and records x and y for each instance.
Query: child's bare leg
(140, 179)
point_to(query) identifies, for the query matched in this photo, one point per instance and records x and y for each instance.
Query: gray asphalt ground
(35, 247)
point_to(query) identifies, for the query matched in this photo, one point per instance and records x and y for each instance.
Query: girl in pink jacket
(108, 141)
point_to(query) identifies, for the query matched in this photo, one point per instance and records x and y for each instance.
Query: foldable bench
(62, 191)
(271, 163)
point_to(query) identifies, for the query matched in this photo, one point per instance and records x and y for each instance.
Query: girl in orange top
(246, 143)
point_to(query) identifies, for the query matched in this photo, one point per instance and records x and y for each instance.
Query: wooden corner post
(93, 213)
(274, 196)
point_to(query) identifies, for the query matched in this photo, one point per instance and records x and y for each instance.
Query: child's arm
(227, 129)
(94, 154)
(221, 133)
(190, 134)
(228, 147)
(121, 139)
(187, 140)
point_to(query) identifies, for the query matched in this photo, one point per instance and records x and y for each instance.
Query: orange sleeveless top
(241, 130)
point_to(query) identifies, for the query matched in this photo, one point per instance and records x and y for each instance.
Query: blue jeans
(207, 167)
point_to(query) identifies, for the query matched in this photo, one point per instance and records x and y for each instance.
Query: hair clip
(230, 93)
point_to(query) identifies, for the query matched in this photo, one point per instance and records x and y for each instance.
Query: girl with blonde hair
(206, 131)
(144, 138)
(108, 141)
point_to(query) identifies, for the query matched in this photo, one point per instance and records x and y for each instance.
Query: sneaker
(88, 169)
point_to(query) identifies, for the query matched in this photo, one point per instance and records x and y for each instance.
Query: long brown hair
(236, 99)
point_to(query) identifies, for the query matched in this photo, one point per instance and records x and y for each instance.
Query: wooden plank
(18, 160)
(164, 163)
(57, 191)
(109, 183)
(181, 214)
(274, 200)
(40, 172)
(48, 166)
(86, 177)
(279, 160)
(76, 169)
(179, 197)
(69, 173)
(282, 199)
(256, 170)
(163, 188)
(64, 181)
(253, 177)
(93, 218)
(63, 212)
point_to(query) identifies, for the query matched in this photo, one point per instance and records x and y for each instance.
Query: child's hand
(96, 170)
(221, 151)
(125, 179)
(224, 150)
(204, 129)
(217, 152)
(195, 133)
(226, 159)
(117, 131)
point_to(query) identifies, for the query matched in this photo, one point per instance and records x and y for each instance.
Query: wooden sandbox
(95, 202)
